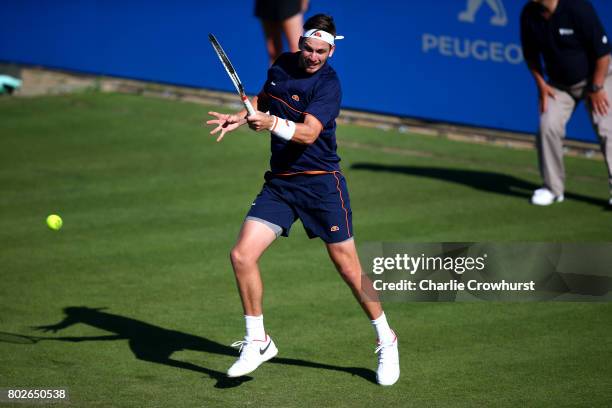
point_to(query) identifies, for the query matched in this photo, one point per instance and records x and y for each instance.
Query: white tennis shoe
(388, 371)
(543, 196)
(252, 354)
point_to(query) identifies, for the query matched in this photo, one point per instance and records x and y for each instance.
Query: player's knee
(241, 258)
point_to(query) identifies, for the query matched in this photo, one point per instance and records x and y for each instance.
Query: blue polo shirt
(293, 94)
(569, 42)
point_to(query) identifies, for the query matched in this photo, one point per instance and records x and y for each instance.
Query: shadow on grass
(481, 180)
(156, 344)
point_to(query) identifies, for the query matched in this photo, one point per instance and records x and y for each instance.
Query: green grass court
(151, 207)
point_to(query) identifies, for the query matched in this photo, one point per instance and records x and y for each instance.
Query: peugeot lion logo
(499, 17)
(480, 45)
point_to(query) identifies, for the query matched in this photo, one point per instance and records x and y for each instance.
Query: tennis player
(301, 98)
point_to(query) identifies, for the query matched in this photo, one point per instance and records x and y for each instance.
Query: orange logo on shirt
(334, 228)
(295, 98)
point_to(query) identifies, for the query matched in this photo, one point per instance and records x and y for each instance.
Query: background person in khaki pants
(569, 37)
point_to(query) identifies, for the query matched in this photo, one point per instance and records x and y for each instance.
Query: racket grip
(248, 106)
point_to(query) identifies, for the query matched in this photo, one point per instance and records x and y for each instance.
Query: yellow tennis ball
(54, 222)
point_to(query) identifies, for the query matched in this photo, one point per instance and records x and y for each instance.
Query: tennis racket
(19, 338)
(229, 68)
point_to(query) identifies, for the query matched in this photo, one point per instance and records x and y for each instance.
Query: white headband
(322, 35)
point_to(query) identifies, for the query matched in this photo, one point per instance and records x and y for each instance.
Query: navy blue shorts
(320, 201)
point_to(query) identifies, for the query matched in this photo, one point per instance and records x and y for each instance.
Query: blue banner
(451, 60)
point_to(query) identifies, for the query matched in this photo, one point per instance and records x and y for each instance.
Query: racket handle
(248, 106)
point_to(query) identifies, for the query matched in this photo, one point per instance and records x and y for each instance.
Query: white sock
(383, 331)
(255, 327)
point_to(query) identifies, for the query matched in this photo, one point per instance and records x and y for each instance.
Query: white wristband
(283, 128)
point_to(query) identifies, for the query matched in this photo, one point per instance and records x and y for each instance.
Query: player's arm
(544, 90)
(67, 322)
(307, 132)
(595, 42)
(601, 70)
(229, 122)
(324, 108)
(535, 68)
(532, 55)
(302, 133)
(598, 95)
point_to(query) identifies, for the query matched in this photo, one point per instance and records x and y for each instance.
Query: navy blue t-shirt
(570, 41)
(293, 94)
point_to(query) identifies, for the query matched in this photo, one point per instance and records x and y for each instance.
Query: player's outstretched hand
(260, 121)
(225, 123)
(50, 328)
